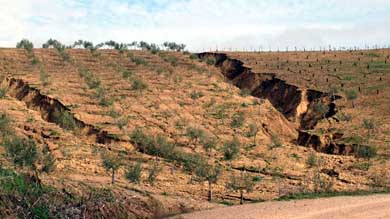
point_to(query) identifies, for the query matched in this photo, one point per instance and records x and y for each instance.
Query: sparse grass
(312, 195)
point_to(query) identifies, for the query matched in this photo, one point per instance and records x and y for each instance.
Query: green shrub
(64, 119)
(23, 152)
(351, 95)
(138, 84)
(237, 120)
(208, 143)
(127, 74)
(153, 171)
(25, 44)
(112, 162)
(48, 160)
(2, 93)
(210, 61)
(365, 151)
(190, 161)
(4, 123)
(138, 60)
(172, 60)
(102, 97)
(311, 160)
(231, 149)
(196, 95)
(194, 134)
(133, 172)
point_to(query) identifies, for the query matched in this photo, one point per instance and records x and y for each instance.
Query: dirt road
(366, 207)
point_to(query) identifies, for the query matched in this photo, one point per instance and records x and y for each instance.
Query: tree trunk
(210, 193)
(241, 197)
(113, 176)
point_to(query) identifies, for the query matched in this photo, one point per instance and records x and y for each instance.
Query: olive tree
(112, 162)
(242, 183)
(209, 173)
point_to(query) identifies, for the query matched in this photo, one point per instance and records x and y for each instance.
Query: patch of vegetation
(206, 172)
(160, 146)
(231, 149)
(112, 162)
(275, 142)
(23, 152)
(64, 119)
(238, 120)
(133, 172)
(242, 183)
(138, 84)
(196, 95)
(172, 60)
(365, 151)
(2, 93)
(4, 124)
(153, 171)
(43, 77)
(313, 195)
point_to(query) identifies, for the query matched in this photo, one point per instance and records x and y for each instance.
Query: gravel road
(365, 207)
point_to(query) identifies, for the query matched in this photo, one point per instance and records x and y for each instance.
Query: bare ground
(367, 207)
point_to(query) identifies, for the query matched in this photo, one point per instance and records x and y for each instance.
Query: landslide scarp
(50, 109)
(297, 104)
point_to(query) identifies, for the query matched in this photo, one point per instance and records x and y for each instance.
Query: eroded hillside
(180, 112)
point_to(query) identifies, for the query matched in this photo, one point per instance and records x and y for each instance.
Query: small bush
(48, 160)
(23, 152)
(133, 172)
(65, 120)
(2, 93)
(172, 60)
(311, 160)
(43, 77)
(275, 142)
(365, 151)
(194, 134)
(153, 171)
(4, 123)
(196, 95)
(237, 120)
(138, 84)
(127, 74)
(102, 97)
(231, 149)
(210, 61)
(138, 60)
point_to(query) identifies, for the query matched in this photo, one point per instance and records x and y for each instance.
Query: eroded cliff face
(297, 104)
(50, 108)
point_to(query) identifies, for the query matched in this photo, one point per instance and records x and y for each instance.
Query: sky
(200, 24)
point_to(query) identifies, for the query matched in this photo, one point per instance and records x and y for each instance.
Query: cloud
(201, 24)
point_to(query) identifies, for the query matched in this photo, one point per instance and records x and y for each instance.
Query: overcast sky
(200, 24)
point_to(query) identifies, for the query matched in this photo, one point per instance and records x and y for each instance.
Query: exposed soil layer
(325, 144)
(49, 108)
(296, 104)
